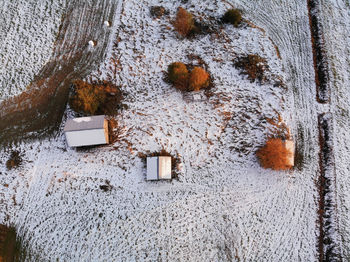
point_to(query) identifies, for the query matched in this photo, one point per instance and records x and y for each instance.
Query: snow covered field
(28, 29)
(223, 206)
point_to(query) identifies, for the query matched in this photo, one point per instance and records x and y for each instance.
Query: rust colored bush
(232, 16)
(184, 22)
(178, 75)
(274, 155)
(95, 98)
(199, 78)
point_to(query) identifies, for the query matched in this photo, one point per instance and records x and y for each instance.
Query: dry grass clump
(232, 16)
(184, 22)
(158, 11)
(274, 155)
(14, 160)
(253, 66)
(182, 79)
(95, 98)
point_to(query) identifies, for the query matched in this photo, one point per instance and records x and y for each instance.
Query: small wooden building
(158, 167)
(86, 131)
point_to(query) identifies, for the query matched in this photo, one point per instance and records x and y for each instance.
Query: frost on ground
(28, 29)
(223, 206)
(335, 20)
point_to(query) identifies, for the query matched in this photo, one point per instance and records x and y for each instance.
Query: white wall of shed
(289, 144)
(105, 126)
(164, 167)
(86, 137)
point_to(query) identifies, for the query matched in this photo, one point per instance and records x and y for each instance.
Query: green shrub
(232, 16)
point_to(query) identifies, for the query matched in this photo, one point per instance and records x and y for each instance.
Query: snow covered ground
(335, 20)
(28, 29)
(223, 206)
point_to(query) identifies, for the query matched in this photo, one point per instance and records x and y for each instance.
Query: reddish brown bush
(178, 75)
(184, 22)
(274, 155)
(95, 98)
(199, 78)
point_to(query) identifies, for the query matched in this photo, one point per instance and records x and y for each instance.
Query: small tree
(232, 16)
(184, 22)
(100, 97)
(274, 155)
(199, 78)
(87, 98)
(178, 75)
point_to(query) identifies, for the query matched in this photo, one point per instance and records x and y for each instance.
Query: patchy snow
(223, 206)
(28, 30)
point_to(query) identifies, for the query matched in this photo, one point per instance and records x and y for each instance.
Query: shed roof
(158, 167)
(84, 123)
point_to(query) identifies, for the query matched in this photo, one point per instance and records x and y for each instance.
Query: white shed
(86, 131)
(289, 145)
(158, 167)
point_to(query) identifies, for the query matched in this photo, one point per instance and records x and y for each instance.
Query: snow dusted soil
(335, 20)
(28, 30)
(223, 206)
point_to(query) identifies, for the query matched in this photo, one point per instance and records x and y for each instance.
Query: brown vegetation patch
(274, 155)
(253, 66)
(189, 77)
(158, 11)
(232, 16)
(9, 246)
(184, 22)
(198, 79)
(178, 75)
(14, 160)
(95, 98)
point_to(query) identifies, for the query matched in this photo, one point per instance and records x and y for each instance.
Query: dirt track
(38, 111)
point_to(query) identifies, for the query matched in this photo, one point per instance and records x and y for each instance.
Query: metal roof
(158, 167)
(84, 123)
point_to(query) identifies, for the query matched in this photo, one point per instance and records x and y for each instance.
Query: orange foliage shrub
(274, 155)
(178, 75)
(199, 78)
(95, 98)
(184, 22)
